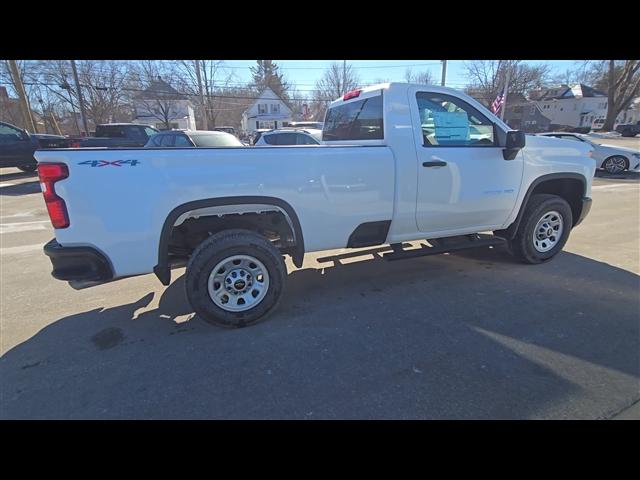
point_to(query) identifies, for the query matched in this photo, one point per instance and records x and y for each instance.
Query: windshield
(212, 140)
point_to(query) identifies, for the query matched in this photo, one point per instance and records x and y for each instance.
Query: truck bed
(118, 199)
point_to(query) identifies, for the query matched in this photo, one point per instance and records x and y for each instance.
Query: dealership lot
(469, 335)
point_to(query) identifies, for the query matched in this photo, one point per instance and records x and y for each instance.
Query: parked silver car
(193, 138)
(290, 136)
(611, 158)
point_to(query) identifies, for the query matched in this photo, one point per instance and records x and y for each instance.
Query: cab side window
(448, 121)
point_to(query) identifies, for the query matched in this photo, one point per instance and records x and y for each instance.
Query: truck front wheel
(235, 278)
(543, 230)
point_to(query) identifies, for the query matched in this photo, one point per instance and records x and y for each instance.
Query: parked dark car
(17, 146)
(117, 135)
(629, 129)
(193, 138)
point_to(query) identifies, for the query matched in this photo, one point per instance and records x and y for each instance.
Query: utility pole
(205, 114)
(29, 124)
(55, 122)
(80, 100)
(444, 72)
(67, 87)
(344, 77)
(504, 93)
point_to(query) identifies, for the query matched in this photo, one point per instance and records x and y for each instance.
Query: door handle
(437, 163)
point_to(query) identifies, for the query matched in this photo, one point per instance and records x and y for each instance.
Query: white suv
(290, 137)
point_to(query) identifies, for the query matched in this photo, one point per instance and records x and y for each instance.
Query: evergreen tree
(266, 74)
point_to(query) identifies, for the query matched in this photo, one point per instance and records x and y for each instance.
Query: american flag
(497, 104)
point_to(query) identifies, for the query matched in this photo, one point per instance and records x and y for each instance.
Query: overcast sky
(304, 73)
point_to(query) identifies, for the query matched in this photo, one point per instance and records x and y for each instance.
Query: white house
(268, 111)
(161, 104)
(574, 106)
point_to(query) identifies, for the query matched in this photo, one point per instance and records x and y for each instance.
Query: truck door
(464, 183)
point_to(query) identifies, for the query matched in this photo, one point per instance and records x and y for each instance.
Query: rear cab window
(357, 119)
(110, 131)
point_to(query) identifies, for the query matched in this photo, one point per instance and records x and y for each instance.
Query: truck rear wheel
(543, 230)
(235, 278)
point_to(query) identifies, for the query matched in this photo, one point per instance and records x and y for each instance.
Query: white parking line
(21, 249)
(6, 185)
(616, 185)
(30, 213)
(24, 226)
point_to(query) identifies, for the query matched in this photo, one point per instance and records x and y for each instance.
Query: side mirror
(515, 142)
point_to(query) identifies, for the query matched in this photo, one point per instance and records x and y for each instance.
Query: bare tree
(9, 108)
(622, 84)
(233, 101)
(423, 77)
(103, 84)
(214, 78)
(336, 80)
(157, 97)
(487, 78)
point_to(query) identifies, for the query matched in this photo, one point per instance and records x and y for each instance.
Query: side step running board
(473, 242)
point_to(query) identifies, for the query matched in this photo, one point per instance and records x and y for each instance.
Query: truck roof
(401, 86)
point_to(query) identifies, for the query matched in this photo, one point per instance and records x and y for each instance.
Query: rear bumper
(586, 207)
(84, 264)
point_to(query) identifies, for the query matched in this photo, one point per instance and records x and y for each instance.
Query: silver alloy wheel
(238, 283)
(548, 231)
(615, 164)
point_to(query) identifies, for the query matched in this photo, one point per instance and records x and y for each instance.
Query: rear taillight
(74, 143)
(351, 94)
(49, 174)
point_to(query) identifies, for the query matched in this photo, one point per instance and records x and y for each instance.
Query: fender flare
(163, 269)
(511, 230)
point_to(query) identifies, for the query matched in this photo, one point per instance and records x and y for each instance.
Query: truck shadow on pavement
(25, 188)
(5, 177)
(471, 335)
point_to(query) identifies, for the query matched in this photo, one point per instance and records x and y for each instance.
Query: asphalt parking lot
(472, 335)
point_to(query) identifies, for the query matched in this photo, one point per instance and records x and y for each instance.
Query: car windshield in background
(360, 120)
(215, 140)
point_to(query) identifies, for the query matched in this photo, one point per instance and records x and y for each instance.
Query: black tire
(214, 250)
(607, 165)
(28, 168)
(522, 245)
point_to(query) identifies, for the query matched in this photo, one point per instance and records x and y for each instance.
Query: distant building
(573, 106)
(162, 106)
(268, 111)
(525, 115)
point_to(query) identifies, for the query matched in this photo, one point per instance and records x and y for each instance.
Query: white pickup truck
(399, 162)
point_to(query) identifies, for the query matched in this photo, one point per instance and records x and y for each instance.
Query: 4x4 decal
(115, 163)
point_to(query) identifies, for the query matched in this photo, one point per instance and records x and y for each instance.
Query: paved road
(470, 335)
